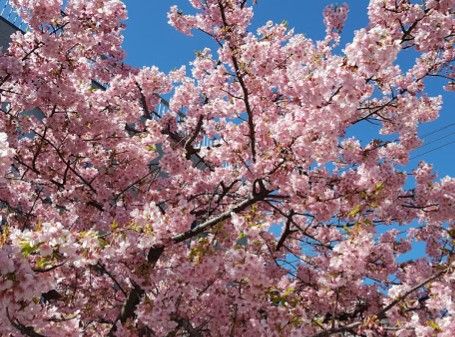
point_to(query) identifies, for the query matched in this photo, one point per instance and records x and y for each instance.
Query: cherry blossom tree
(117, 223)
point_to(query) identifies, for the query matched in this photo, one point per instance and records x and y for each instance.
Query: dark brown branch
(330, 332)
(239, 74)
(186, 324)
(129, 307)
(62, 158)
(257, 196)
(286, 232)
(382, 313)
(39, 148)
(24, 330)
(128, 310)
(145, 107)
(260, 193)
(45, 270)
(105, 271)
(190, 150)
(154, 254)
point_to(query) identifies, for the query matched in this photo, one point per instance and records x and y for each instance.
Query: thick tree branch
(129, 307)
(187, 326)
(382, 313)
(24, 330)
(253, 199)
(286, 232)
(188, 143)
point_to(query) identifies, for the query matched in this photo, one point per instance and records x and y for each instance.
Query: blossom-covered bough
(111, 228)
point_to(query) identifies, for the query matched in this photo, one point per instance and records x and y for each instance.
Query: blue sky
(149, 40)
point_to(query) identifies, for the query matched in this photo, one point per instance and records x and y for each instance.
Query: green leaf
(356, 210)
(42, 262)
(27, 248)
(435, 326)
(242, 239)
(103, 242)
(379, 187)
(151, 147)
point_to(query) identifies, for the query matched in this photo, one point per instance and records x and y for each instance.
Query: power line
(426, 135)
(429, 151)
(436, 140)
(437, 130)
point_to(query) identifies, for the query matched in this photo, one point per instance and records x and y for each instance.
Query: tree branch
(24, 330)
(249, 110)
(254, 198)
(129, 307)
